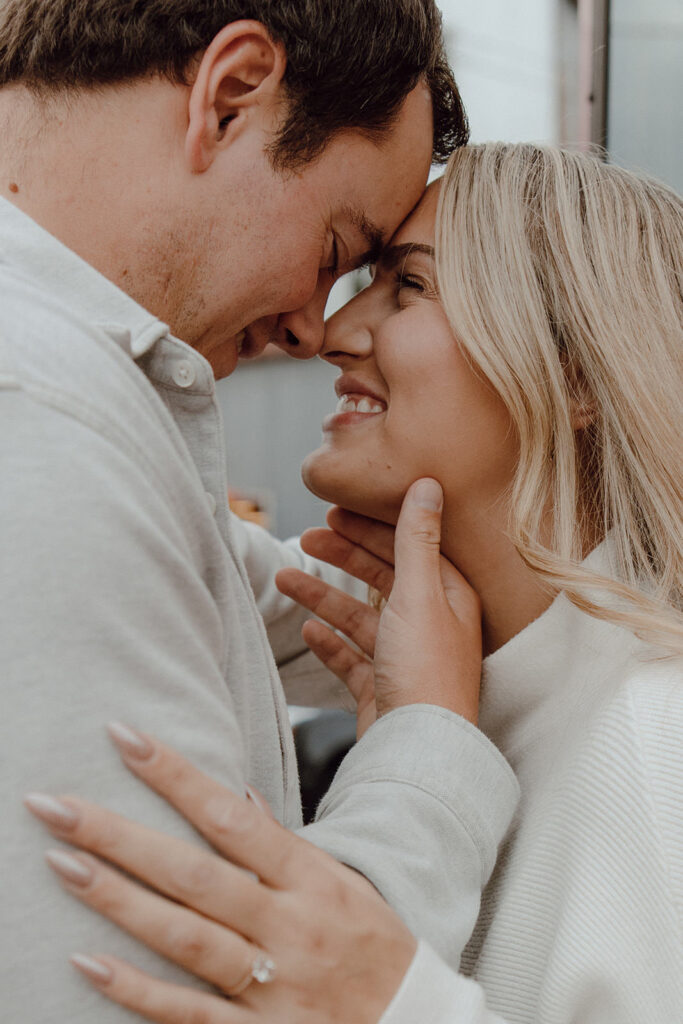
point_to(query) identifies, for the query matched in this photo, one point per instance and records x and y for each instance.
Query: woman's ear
(582, 403)
(241, 68)
(582, 413)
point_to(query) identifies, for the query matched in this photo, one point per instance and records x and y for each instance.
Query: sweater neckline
(532, 679)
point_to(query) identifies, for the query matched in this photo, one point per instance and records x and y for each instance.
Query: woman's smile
(352, 409)
(358, 402)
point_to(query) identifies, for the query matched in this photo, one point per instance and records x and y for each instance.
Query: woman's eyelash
(403, 281)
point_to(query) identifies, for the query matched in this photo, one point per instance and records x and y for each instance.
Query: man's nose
(301, 333)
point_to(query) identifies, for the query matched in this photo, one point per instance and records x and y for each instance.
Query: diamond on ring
(263, 969)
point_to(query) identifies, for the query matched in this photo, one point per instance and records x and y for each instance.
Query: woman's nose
(348, 334)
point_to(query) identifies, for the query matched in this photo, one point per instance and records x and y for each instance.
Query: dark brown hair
(350, 63)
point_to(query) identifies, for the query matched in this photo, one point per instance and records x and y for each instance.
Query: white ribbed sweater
(582, 920)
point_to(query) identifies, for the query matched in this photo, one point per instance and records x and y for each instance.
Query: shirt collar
(27, 247)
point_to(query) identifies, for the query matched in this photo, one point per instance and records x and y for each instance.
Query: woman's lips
(354, 408)
(355, 388)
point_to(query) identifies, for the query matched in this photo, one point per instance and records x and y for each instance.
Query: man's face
(272, 244)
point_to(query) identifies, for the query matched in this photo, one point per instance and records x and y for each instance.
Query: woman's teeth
(366, 405)
(240, 341)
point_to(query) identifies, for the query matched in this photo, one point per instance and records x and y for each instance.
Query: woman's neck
(511, 594)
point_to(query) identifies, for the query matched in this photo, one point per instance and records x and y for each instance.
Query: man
(195, 170)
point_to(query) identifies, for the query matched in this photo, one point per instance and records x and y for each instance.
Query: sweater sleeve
(419, 806)
(433, 993)
(617, 943)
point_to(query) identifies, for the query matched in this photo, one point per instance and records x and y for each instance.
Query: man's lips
(250, 347)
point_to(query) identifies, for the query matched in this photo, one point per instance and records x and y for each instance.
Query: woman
(533, 368)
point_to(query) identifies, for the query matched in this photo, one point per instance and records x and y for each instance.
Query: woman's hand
(425, 645)
(338, 951)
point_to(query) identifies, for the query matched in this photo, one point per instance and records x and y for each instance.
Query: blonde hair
(562, 279)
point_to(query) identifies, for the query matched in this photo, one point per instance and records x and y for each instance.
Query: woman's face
(410, 404)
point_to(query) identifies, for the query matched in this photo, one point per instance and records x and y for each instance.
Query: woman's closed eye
(412, 286)
(404, 281)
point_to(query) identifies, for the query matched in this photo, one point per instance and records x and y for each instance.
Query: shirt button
(183, 373)
(211, 502)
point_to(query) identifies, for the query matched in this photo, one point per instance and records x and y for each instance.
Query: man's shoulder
(60, 361)
(44, 342)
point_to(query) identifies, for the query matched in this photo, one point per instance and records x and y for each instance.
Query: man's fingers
(352, 668)
(376, 537)
(418, 540)
(331, 547)
(156, 1000)
(358, 621)
(463, 600)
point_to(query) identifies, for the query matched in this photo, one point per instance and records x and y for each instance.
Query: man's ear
(241, 67)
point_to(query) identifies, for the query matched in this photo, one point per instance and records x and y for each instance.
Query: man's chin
(223, 362)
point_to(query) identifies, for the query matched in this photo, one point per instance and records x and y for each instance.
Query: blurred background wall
(645, 87)
(533, 70)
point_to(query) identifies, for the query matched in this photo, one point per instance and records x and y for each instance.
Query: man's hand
(425, 645)
(364, 548)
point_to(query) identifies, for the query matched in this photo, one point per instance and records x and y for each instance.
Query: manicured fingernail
(255, 797)
(93, 969)
(51, 811)
(68, 867)
(427, 494)
(130, 742)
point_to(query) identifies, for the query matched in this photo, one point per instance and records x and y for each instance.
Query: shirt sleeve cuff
(445, 756)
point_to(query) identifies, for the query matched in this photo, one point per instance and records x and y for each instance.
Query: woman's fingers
(203, 947)
(153, 999)
(358, 621)
(339, 657)
(331, 547)
(239, 830)
(176, 868)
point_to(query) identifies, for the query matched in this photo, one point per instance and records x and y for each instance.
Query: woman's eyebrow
(396, 254)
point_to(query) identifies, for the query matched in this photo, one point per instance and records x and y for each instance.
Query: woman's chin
(339, 484)
(327, 481)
